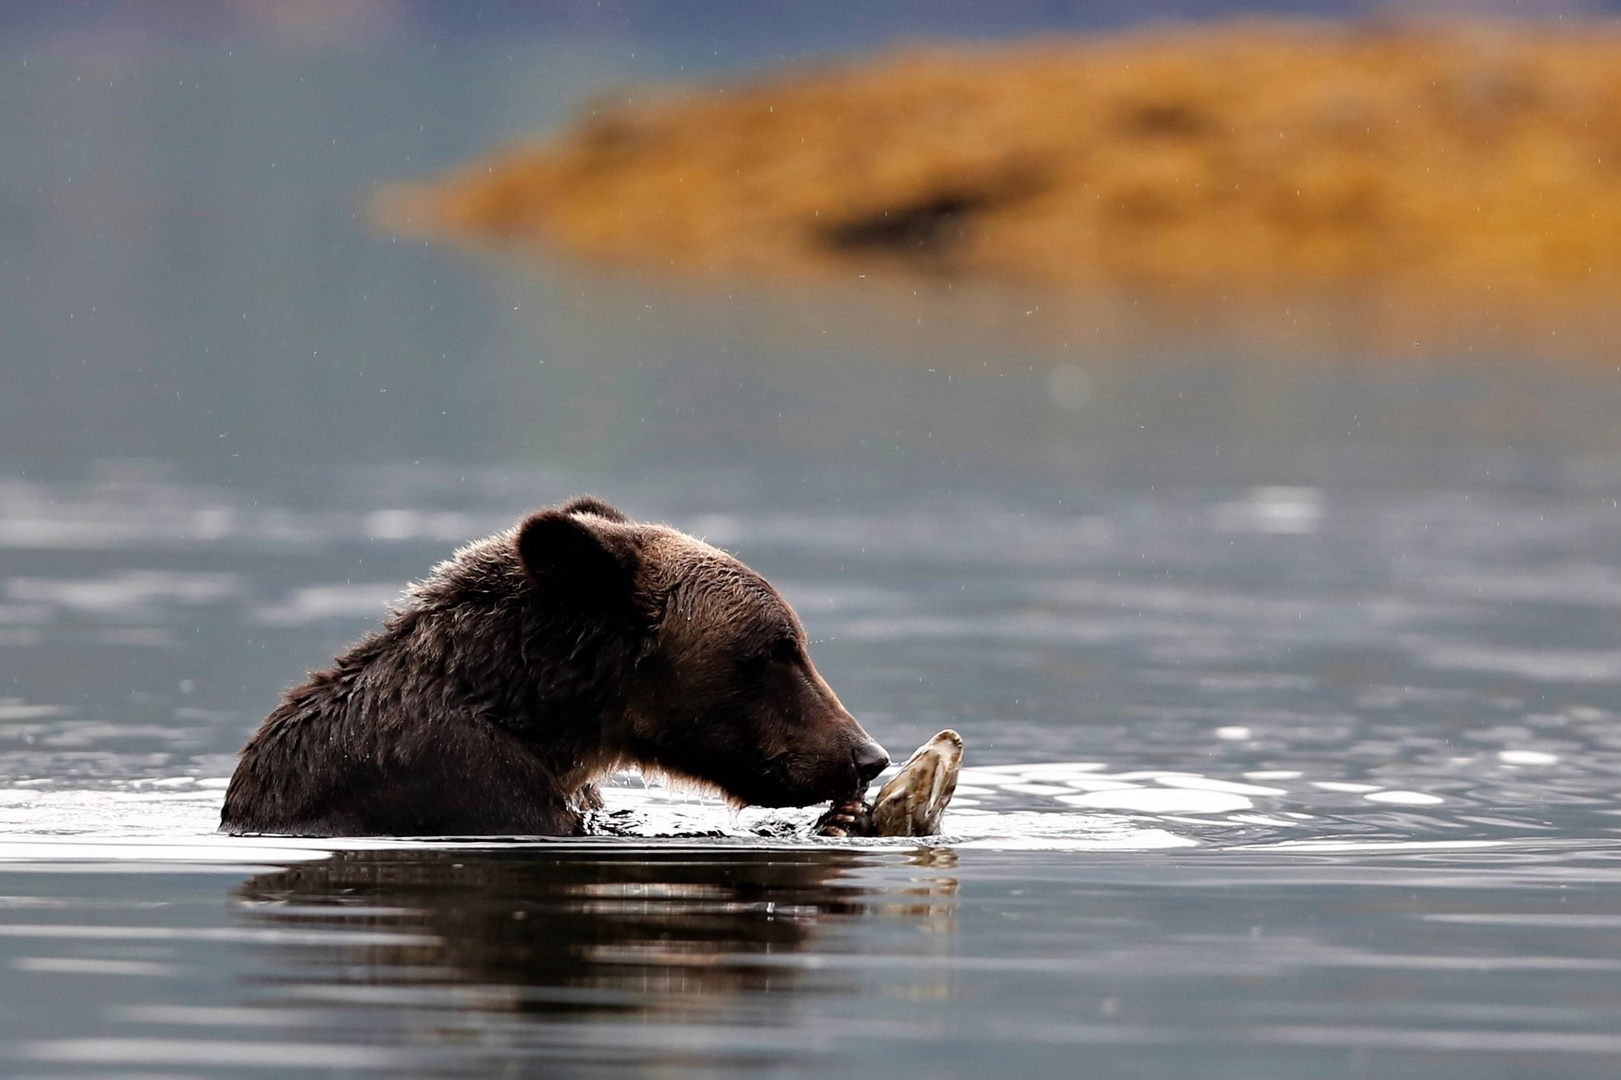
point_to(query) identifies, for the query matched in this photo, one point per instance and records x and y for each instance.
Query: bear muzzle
(800, 778)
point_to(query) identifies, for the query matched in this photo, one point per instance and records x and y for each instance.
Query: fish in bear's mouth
(910, 804)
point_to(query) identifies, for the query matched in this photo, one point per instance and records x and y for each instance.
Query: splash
(1048, 806)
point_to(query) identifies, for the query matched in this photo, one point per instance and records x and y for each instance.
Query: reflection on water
(572, 959)
(1421, 960)
(643, 931)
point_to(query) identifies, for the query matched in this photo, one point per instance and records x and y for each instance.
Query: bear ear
(590, 504)
(577, 550)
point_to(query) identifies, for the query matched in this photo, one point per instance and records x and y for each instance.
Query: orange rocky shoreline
(1242, 155)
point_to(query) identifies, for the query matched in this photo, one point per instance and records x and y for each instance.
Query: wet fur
(533, 662)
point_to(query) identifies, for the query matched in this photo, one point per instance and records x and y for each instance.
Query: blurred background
(190, 274)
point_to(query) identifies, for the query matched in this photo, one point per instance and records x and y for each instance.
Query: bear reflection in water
(641, 932)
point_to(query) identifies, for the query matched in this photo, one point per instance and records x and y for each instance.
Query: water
(1290, 681)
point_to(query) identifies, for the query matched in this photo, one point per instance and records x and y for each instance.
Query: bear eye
(785, 650)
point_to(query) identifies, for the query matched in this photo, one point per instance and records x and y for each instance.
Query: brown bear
(533, 662)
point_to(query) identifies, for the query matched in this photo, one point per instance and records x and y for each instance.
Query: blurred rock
(1247, 155)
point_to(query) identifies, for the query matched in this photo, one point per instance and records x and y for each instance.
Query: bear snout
(870, 760)
(838, 769)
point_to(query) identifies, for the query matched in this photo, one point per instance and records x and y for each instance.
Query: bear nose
(870, 760)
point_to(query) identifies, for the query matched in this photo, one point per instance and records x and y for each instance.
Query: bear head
(718, 685)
